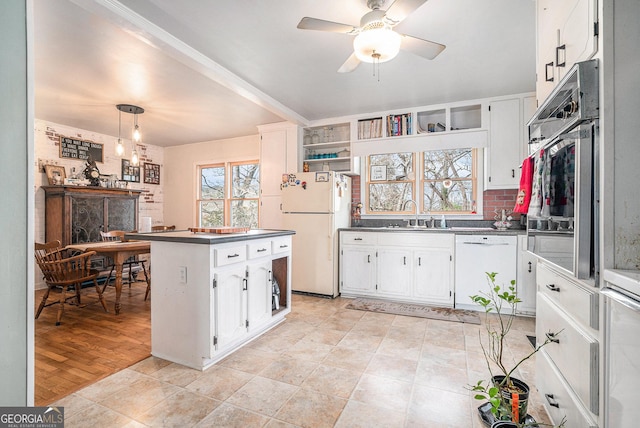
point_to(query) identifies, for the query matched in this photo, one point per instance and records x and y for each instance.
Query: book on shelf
(369, 128)
(399, 124)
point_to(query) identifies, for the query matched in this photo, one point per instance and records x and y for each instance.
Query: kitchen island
(213, 293)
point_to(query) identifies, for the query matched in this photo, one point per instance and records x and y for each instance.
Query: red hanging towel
(524, 191)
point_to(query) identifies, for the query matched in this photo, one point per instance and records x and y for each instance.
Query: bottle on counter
(443, 222)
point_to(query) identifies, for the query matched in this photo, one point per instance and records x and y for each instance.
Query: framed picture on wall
(55, 174)
(151, 173)
(378, 173)
(129, 172)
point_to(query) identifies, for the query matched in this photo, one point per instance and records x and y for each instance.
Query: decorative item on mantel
(503, 219)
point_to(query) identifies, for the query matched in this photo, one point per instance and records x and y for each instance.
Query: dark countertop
(188, 237)
(455, 230)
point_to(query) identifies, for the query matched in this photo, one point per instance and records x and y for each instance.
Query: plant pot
(504, 424)
(514, 402)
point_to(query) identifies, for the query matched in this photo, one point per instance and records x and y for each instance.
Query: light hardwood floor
(90, 344)
(325, 366)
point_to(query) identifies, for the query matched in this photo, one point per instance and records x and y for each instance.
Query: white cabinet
(259, 294)
(567, 370)
(226, 299)
(433, 276)
(229, 303)
(278, 155)
(526, 278)
(357, 264)
(394, 272)
(505, 144)
(404, 266)
(567, 32)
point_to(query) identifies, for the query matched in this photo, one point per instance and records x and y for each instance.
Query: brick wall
(493, 199)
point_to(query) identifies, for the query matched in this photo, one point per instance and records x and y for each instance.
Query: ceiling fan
(375, 40)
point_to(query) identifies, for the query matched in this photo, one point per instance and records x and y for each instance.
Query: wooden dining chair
(162, 228)
(63, 272)
(118, 235)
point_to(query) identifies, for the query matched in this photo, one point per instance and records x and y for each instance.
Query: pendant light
(136, 135)
(119, 145)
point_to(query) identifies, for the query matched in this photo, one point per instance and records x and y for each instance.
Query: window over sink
(447, 181)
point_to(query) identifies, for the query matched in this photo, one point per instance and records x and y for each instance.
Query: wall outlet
(182, 274)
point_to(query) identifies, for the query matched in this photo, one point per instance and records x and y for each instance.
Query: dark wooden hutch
(76, 214)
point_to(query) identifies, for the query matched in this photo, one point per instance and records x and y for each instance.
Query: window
(390, 182)
(447, 179)
(228, 194)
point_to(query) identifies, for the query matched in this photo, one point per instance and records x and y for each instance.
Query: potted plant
(507, 396)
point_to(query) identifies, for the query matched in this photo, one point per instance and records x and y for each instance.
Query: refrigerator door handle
(623, 299)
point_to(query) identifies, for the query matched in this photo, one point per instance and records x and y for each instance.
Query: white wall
(181, 172)
(16, 209)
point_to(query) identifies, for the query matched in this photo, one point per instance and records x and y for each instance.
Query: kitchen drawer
(282, 245)
(229, 255)
(259, 249)
(579, 302)
(419, 239)
(575, 353)
(358, 238)
(559, 401)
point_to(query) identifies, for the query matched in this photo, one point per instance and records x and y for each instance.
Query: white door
(271, 212)
(433, 277)
(357, 270)
(504, 145)
(394, 272)
(314, 253)
(259, 292)
(230, 305)
(273, 155)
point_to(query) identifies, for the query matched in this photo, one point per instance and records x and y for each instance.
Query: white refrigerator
(315, 205)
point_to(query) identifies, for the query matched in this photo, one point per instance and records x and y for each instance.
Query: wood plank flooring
(90, 344)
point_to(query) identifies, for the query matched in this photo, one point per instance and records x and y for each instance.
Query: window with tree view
(229, 194)
(447, 179)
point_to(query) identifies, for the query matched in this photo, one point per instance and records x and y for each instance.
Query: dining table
(119, 252)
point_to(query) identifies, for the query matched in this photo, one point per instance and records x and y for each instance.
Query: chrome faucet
(404, 206)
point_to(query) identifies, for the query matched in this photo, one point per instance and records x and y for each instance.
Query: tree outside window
(448, 180)
(229, 195)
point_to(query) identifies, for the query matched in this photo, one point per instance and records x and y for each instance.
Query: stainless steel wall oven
(563, 138)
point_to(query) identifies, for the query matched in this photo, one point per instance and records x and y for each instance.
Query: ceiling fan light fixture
(377, 45)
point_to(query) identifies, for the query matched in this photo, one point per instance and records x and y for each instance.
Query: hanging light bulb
(135, 161)
(119, 145)
(137, 136)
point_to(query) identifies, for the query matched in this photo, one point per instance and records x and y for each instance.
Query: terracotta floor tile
(262, 395)
(310, 409)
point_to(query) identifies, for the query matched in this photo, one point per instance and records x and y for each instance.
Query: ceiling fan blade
(307, 23)
(400, 9)
(424, 48)
(350, 64)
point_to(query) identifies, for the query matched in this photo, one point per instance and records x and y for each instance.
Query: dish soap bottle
(443, 222)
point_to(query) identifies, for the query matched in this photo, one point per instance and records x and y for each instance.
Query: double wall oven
(563, 137)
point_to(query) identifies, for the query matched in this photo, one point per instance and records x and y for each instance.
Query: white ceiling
(207, 70)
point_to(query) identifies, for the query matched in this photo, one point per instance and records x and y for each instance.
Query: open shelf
(432, 121)
(466, 117)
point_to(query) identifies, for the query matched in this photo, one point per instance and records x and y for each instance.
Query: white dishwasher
(478, 254)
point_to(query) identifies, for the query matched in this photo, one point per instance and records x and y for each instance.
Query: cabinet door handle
(283, 246)
(529, 267)
(368, 258)
(419, 261)
(264, 249)
(404, 260)
(552, 337)
(546, 72)
(230, 256)
(551, 400)
(513, 173)
(357, 239)
(244, 284)
(563, 49)
(553, 287)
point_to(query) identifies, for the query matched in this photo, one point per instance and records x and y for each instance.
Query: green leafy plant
(502, 302)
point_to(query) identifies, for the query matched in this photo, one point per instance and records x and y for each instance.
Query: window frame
(418, 182)
(227, 190)
(369, 182)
